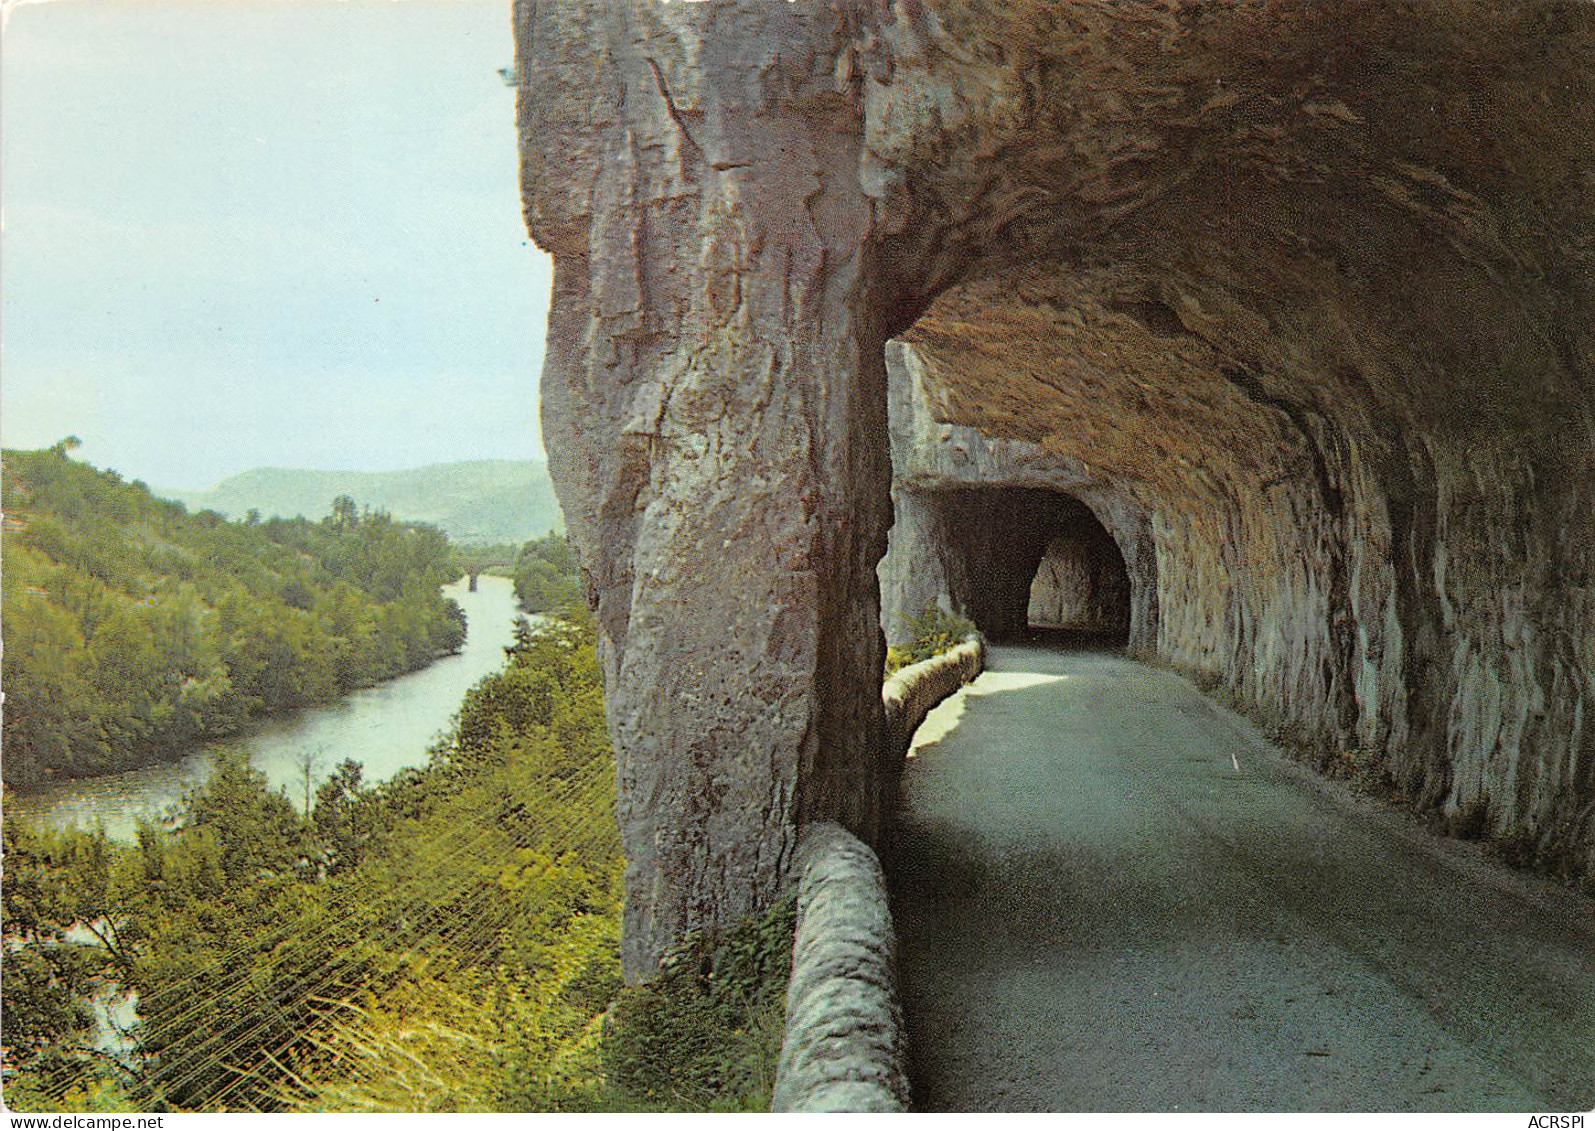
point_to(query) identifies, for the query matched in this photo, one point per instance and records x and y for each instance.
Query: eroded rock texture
(1081, 582)
(1297, 299)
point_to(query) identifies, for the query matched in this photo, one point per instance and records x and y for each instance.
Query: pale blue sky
(242, 233)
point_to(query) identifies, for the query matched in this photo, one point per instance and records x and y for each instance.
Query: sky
(248, 233)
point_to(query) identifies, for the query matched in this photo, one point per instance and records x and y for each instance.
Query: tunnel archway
(1011, 559)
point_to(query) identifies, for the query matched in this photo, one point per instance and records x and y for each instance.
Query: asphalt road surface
(1112, 895)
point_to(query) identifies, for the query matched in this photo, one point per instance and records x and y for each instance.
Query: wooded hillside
(134, 629)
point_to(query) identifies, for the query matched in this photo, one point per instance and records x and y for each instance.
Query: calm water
(386, 728)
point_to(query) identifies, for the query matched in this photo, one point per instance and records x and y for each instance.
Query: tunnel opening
(1017, 561)
(1081, 588)
(1311, 362)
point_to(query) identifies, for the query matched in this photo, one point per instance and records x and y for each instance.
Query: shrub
(1364, 769)
(1471, 821)
(934, 632)
(706, 1033)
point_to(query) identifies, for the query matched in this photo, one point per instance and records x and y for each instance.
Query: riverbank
(387, 728)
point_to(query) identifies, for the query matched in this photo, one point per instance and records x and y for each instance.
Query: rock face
(1297, 300)
(1081, 582)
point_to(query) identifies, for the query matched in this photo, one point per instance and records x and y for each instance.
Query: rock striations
(1298, 300)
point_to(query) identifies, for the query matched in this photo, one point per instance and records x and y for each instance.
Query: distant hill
(480, 501)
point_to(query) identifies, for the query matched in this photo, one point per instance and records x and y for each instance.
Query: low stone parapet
(844, 1046)
(843, 1049)
(909, 695)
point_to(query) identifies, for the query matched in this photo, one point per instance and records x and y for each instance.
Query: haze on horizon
(266, 233)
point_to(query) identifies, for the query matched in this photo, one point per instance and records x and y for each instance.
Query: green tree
(345, 514)
(64, 937)
(255, 832)
(345, 818)
(548, 580)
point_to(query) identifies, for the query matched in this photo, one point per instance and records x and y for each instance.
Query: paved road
(1098, 911)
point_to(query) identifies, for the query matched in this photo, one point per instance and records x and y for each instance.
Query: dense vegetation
(705, 1034)
(134, 629)
(446, 941)
(547, 579)
(476, 502)
(465, 913)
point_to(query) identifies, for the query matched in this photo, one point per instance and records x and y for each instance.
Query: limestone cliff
(1297, 299)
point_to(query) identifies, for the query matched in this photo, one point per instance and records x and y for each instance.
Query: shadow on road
(1109, 898)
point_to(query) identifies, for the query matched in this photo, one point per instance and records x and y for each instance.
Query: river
(385, 728)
